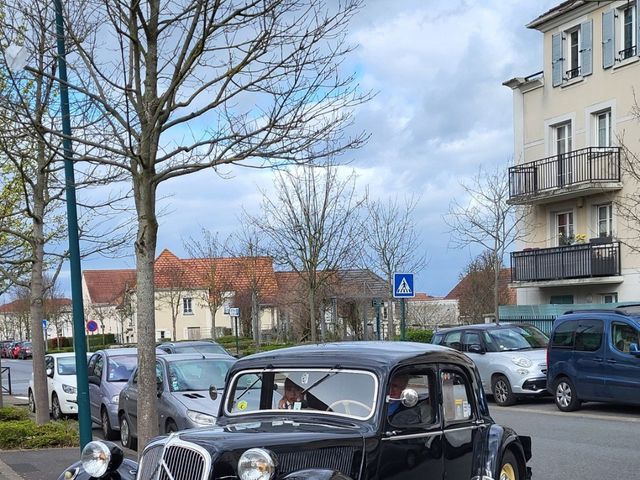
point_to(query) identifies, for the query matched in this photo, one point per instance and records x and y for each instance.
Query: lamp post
(79, 342)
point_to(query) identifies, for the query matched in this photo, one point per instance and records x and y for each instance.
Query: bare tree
(197, 85)
(628, 201)
(57, 309)
(312, 223)
(486, 219)
(393, 244)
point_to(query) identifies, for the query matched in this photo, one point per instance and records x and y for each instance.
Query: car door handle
(610, 360)
(597, 359)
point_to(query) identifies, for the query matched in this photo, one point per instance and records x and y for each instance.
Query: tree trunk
(145, 258)
(312, 314)
(255, 318)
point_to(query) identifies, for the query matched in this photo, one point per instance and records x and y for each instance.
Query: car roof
(64, 354)
(631, 312)
(175, 357)
(478, 326)
(381, 356)
(111, 352)
(191, 342)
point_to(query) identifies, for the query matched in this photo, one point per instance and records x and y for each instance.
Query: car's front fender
(316, 474)
(491, 445)
(126, 471)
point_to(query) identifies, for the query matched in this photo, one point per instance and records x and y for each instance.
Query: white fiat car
(61, 380)
(511, 359)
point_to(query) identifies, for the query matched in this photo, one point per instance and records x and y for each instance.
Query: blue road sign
(234, 311)
(45, 324)
(403, 285)
(92, 325)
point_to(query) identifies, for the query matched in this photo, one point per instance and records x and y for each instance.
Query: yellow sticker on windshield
(242, 405)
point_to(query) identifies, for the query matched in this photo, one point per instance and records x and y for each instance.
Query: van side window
(563, 335)
(453, 340)
(623, 336)
(589, 335)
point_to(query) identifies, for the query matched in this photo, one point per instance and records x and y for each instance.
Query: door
(411, 444)
(130, 403)
(472, 345)
(49, 363)
(459, 413)
(96, 366)
(588, 359)
(623, 367)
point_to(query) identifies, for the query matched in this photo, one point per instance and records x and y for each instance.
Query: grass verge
(17, 431)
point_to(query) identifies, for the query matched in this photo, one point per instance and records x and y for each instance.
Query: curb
(6, 472)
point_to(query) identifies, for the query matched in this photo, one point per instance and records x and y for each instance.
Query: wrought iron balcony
(576, 173)
(562, 263)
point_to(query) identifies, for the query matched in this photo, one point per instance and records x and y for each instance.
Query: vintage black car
(366, 410)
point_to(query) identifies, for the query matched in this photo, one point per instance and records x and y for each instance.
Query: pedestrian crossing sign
(403, 285)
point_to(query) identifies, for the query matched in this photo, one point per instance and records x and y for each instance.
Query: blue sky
(439, 114)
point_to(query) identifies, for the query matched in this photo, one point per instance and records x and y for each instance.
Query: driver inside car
(293, 398)
(401, 415)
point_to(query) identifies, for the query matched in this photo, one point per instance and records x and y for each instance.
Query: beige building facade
(572, 123)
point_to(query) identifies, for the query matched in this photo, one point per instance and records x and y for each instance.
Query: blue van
(594, 355)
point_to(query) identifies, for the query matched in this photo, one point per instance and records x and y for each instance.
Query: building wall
(537, 110)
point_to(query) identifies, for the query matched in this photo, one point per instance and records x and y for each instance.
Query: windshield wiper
(248, 388)
(322, 379)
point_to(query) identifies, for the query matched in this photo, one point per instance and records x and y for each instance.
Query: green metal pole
(403, 319)
(378, 320)
(79, 342)
(237, 334)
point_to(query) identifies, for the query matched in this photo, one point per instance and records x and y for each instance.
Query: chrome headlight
(69, 389)
(99, 458)
(201, 418)
(115, 399)
(257, 464)
(522, 362)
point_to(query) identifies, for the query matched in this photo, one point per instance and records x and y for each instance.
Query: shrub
(21, 434)
(422, 336)
(8, 414)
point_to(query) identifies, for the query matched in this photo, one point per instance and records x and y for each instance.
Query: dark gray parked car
(193, 346)
(183, 394)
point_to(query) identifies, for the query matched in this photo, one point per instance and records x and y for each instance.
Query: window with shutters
(571, 52)
(620, 34)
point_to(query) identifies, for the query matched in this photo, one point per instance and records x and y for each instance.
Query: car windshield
(512, 338)
(190, 375)
(350, 393)
(121, 367)
(200, 348)
(67, 366)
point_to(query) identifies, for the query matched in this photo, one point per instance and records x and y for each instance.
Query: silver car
(183, 394)
(511, 359)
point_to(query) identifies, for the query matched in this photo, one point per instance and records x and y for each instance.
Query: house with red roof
(192, 296)
(15, 319)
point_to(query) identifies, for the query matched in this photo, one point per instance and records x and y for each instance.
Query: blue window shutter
(608, 42)
(556, 59)
(586, 48)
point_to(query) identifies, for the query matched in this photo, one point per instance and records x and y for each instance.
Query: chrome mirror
(409, 397)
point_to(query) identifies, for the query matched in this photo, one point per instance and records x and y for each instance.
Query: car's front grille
(332, 458)
(174, 460)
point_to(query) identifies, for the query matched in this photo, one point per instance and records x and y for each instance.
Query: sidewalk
(46, 464)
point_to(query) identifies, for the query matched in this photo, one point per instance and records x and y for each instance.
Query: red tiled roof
(229, 274)
(504, 280)
(423, 297)
(22, 305)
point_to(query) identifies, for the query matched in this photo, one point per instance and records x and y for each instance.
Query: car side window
(99, 366)
(453, 340)
(469, 339)
(456, 397)
(92, 365)
(159, 374)
(589, 335)
(424, 412)
(563, 335)
(48, 363)
(623, 336)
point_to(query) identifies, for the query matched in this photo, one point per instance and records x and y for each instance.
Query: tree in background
(485, 218)
(172, 283)
(199, 85)
(475, 291)
(393, 243)
(313, 226)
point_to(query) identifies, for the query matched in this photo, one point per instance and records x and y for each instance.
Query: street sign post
(402, 289)
(377, 303)
(234, 312)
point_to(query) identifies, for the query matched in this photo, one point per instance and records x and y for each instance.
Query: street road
(20, 375)
(597, 442)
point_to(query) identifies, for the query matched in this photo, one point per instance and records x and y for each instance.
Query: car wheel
(509, 467)
(501, 390)
(32, 402)
(171, 426)
(108, 432)
(566, 396)
(56, 411)
(126, 439)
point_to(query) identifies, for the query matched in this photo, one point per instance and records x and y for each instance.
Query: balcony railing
(563, 263)
(627, 53)
(586, 166)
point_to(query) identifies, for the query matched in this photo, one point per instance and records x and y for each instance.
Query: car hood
(198, 400)
(536, 355)
(323, 444)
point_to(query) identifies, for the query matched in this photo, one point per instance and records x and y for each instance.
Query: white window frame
(571, 226)
(597, 116)
(609, 219)
(621, 36)
(187, 306)
(613, 295)
(568, 138)
(572, 56)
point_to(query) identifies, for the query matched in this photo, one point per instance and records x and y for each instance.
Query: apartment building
(571, 122)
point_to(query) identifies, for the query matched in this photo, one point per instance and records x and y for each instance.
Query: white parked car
(61, 380)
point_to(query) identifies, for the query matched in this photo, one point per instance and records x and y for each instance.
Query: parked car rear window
(589, 335)
(511, 338)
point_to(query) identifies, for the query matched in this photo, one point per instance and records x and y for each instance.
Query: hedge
(421, 336)
(17, 431)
